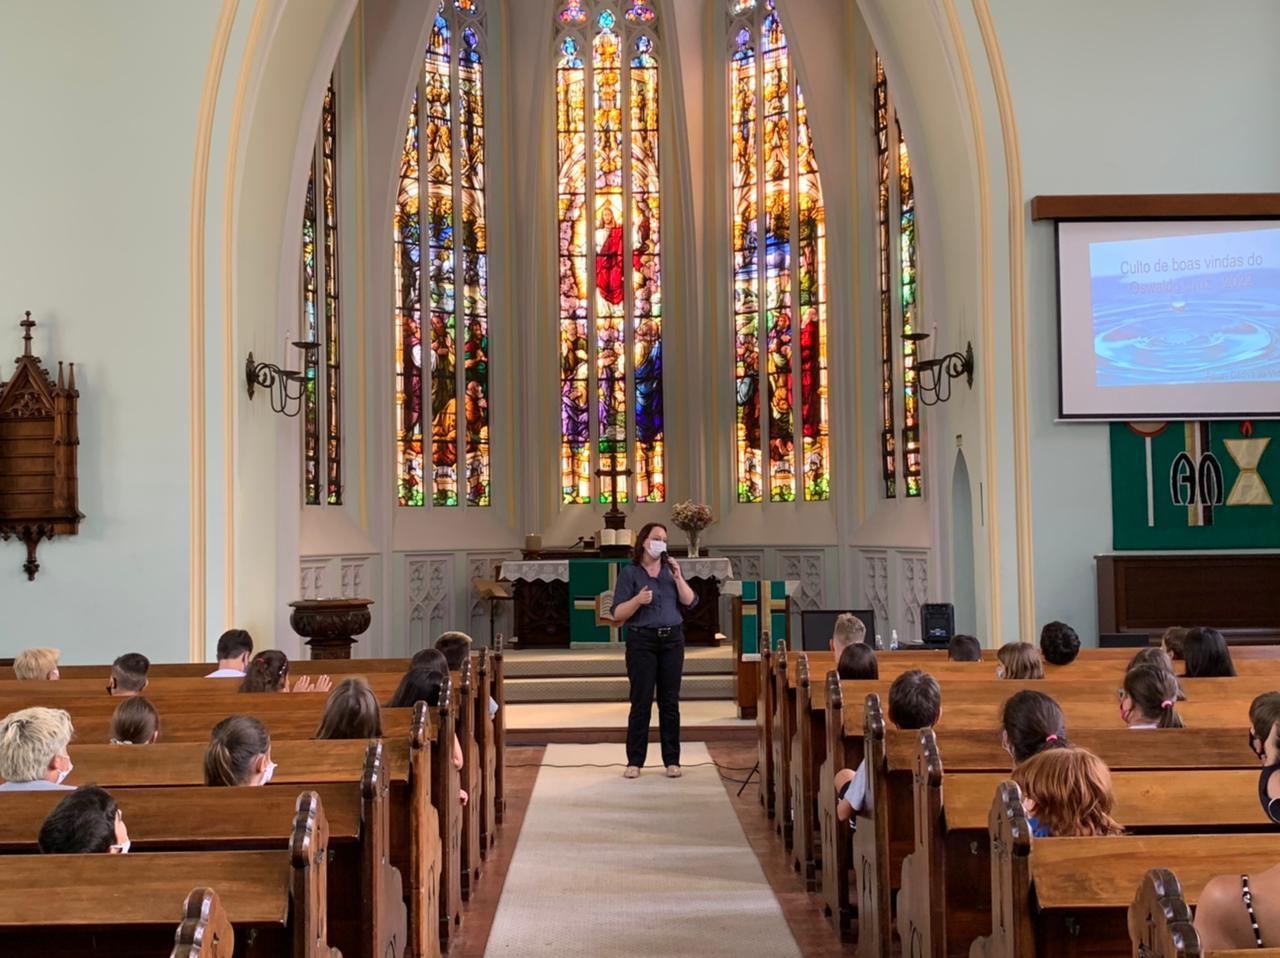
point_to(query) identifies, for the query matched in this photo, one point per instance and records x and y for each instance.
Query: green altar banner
(1195, 485)
(587, 579)
(771, 615)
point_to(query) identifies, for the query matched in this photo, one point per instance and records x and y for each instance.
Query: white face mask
(656, 548)
(121, 849)
(266, 776)
(999, 671)
(62, 776)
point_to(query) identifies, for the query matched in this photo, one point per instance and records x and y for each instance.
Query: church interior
(721, 475)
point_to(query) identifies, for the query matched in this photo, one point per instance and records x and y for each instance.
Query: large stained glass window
(322, 420)
(897, 279)
(608, 230)
(441, 272)
(779, 269)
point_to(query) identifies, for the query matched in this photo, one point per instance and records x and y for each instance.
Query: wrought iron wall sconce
(277, 381)
(934, 375)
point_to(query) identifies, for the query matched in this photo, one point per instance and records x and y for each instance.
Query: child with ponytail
(1149, 698)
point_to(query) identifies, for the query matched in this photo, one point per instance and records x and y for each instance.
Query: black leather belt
(661, 632)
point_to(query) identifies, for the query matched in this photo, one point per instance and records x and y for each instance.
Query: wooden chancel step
(589, 675)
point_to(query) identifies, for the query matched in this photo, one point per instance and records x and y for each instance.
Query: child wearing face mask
(33, 750)
(650, 597)
(86, 822)
(239, 753)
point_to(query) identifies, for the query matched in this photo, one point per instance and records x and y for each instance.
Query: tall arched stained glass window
(441, 272)
(779, 269)
(898, 284)
(322, 420)
(608, 227)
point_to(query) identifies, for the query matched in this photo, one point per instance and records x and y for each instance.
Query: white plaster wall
(99, 117)
(1149, 96)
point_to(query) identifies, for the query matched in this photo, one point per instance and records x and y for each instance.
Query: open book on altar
(616, 537)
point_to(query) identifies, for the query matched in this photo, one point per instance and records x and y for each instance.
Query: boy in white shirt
(915, 701)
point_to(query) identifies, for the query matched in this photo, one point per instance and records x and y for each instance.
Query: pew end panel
(921, 917)
(784, 711)
(499, 732)
(423, 867)
(834, 835)
(1012, 932)
(764, 727)
(805, 757)
(444, 791)
(472, 777)
(488, 755)
(383, 911)
(1160, 919)
(871, 842)
(205, 930)
(309, 880)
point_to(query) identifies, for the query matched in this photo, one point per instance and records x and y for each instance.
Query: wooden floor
(803, 911)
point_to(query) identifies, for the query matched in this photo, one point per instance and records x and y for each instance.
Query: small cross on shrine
(615, 518)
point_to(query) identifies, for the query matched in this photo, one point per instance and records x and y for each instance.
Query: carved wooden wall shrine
(39, 438)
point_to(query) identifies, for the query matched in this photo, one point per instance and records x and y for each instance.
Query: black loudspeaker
(937, 623)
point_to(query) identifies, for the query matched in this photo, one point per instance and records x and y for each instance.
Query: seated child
(915, 701)
(87, 822)
(1067, 792)
(858, 661)
(964, 648)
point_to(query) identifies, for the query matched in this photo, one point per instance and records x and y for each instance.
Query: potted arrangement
(691, 518)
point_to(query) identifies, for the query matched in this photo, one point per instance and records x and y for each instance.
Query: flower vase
(695, 536)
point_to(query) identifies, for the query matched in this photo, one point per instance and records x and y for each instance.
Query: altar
(555, 598)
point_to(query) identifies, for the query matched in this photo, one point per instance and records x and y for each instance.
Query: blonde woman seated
(33, 750)
(37, 665)
(1019, 660)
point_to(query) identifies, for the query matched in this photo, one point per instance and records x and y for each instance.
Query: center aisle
(607, 866)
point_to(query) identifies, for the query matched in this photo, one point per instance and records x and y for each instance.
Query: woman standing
(648, 597)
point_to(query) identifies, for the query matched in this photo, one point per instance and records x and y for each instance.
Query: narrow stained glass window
(884, 164)
(441, 266)
(322, 420)
(776, 188)
(907, 267)
(896, 217)
(609, 251)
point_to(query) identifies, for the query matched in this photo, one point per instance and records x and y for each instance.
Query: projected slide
(1187, 309)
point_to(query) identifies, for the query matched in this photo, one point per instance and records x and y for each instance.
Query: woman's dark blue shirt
(664, 610)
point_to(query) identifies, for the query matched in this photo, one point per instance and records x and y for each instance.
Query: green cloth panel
(587, 579)
(750, 617)
(1229, 526)
(773, 616)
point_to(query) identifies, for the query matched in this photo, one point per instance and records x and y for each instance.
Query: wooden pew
(1220, 703)
(366, 907)
(1159, 789)
(425, 817)
(72, 905)
(1071, 896)
(1160, 922)
(205, 930)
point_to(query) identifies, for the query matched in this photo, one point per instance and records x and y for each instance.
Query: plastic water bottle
(893, 641)
(879, 642)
